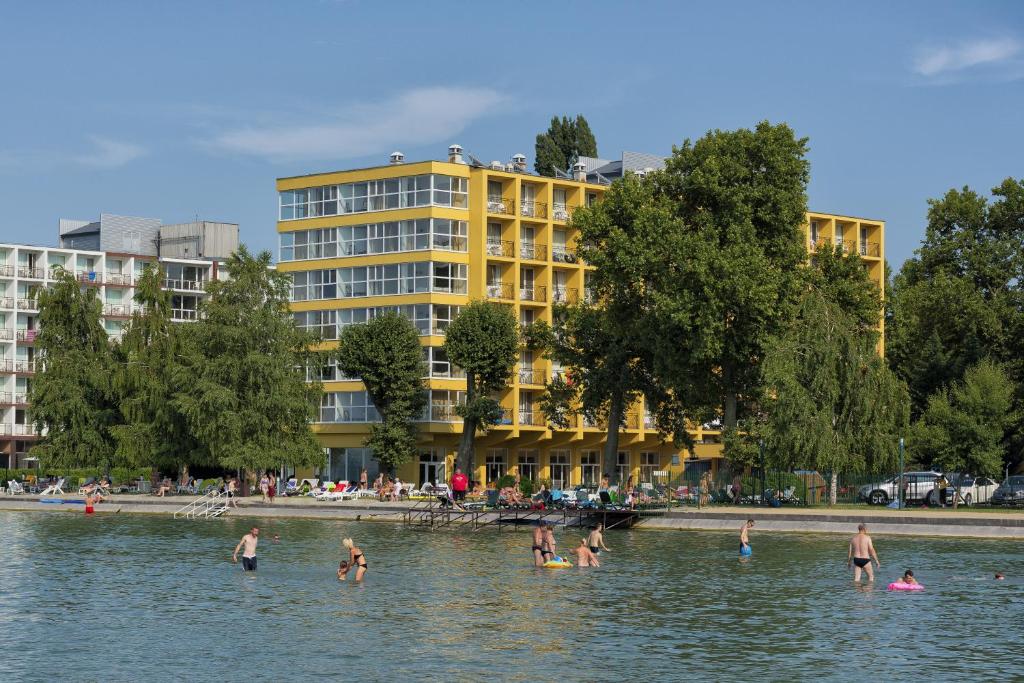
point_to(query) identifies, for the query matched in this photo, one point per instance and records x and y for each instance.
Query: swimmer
(908, 577)
(249, 541)
(595, 540)
(861, 552)
(999, 576)
(745, 548)
(355, 559)
(548, 544)
(277, 538)
(538, 545)
(586, 557)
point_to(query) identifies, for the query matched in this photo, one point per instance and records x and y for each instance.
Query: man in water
(249, 542)
(538, 545)
(745, 538)
(595, 540)
(862, 551)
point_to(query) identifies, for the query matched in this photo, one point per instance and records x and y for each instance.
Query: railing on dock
(212, 504)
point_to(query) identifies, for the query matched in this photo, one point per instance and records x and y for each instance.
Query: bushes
(118, 475)
(526, 486)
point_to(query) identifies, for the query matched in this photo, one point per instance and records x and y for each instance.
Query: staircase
(212, 504)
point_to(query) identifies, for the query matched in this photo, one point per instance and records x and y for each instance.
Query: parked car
(972, 489)
(916, 487)
(1010, 492)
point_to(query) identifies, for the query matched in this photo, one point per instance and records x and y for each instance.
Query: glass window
(560, 469)
(649, 463)
(495, 464)
(622, 468)
(526, 464)
(590, 467)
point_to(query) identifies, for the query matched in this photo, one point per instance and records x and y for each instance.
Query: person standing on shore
(271, 487)
(745, 549)
(248, 547)
(232, 489)
(264, 486)
(363, 480)
(861, 552)
(459, 484)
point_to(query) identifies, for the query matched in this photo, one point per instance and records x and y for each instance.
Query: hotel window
(863, 241)
(495, 464)
(527, 316)
(559, 208)
(374, 195)
(438, 365)
(450, 235)
(441, 406)
(590, 467)
(323, 324)
(560, 469)
(622, 468)
(443, 317)
(814, 233)
(839, 235)
(347, 406)
(314, 284)
(526, 464)
(591, 198)
(649, 463)
(451, 191)
(450, 278)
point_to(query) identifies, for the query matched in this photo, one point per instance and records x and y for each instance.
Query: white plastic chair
(54, 489)
(14, 488)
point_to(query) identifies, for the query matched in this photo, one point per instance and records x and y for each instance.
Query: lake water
(122, 598)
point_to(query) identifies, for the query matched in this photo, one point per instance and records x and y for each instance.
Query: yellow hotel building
(425, 238)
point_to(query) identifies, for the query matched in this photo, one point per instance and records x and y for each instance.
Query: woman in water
(355, 559)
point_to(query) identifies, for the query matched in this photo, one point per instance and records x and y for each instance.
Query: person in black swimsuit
(538, 545)
(355, 559)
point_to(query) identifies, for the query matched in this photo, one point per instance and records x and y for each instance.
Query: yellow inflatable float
(557, 563)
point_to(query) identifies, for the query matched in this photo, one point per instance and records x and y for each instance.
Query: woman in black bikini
(355, 559)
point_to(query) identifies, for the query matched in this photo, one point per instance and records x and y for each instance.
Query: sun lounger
(54, 489)
(14, 488)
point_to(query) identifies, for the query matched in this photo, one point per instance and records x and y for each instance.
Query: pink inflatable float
(900, 586)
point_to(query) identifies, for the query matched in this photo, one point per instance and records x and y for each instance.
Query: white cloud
(935, 61)
(415, 117)
(109, 153)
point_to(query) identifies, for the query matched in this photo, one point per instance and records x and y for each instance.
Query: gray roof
(86, 229)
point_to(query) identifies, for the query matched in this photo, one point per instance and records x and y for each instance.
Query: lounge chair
(14, 488)
(54, 489)
(494, 500)
(291, 488)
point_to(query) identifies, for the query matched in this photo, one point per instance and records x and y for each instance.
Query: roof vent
(497, 166)
(579, 171)
(397, 157)
(455, 154)
(519, 163)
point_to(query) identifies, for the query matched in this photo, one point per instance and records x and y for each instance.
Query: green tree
(833, 404)
(565, 141)
(483, 340)
(148, 382)
(736, 277)
(962, 428)
(386, 354)
(71, 396)
(248, 401)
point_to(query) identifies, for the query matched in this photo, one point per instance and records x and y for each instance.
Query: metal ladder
(212, 504)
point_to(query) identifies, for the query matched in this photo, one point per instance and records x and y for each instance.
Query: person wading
(248, 542)
(862, 551)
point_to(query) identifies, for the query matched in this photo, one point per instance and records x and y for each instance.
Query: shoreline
(943, 523)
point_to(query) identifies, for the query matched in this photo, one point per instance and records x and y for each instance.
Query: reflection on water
(127, 598)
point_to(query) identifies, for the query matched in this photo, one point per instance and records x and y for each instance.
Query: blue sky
(177, 109)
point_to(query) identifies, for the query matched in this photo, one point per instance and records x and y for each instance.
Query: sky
(182, 109)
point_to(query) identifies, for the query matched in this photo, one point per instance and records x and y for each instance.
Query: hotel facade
(426, 238)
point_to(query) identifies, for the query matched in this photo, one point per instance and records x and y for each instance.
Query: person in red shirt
(460, 483)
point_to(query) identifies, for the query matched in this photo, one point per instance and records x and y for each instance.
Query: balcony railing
(34, 273)
(560, 212)
(24, 430)
(504, 248)
(564, 295)
(589, 423)
(28, 304)
(589, 296)
(90, 277)
(25, 366)
(184, 314)
(531, 209)
(499, 290)
(188, 285)
(649, 422)
(871, 249)
(6, 334)
(6, 271)
(6, 302)
(6, 365)
(533, 250)
(28, 336)
(563, 254)
(536, 293)
(531, 376)
(632, 421)
(503, 206)
(117, 310)
(443, 412)
(123, 279)
(6, 430)
(531, 418)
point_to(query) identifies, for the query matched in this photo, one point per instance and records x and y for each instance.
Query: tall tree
(736, 278)
(833, 404)
(565, 141)
(148, 381)
(386, 354)
(249, 403)
(483, 340)
(71, 396)
(605, 347)
(962, 428)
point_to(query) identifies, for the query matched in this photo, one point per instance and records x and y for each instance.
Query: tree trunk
(729, 400)
(465, 458)
(833, 488)
(611, 443)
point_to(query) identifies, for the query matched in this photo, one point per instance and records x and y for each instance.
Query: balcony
(27, 336)
(531, 209)
(25, 430)
(502, 206)
(6, 334)
(560, 212)
(121, 279)
(565, 295)
(870, 249)
(531, 376)
(184, 314)
(90, 277)
(25, 367)
(117, 310)
(590, 423)
(30, 272)
(563, 254)
(503, 248)
(6, 271)
(531, 418)
(6, 302)
(6, 365)
(6, 429)
(536, 294)
(632, 421)
(499, 290)
(589, 297)
(649, 422)
(533, 251)
(185, 285)
(442, 411)
(28, 304)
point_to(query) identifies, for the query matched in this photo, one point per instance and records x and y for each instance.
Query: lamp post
(760, 453)
(899, 495)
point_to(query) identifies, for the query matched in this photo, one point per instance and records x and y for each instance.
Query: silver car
(972, 489)
(916, 487)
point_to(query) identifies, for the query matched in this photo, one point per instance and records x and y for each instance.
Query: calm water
(121, 598)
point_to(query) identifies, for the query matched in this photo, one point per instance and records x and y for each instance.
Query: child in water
(908, 577)
(342, 570)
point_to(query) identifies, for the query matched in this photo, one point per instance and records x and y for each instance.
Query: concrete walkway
(1005, 524)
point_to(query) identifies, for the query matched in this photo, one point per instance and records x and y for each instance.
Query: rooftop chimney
(455, 154)
(397, 158)
(519, 163)
(579, 171)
